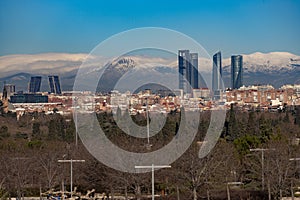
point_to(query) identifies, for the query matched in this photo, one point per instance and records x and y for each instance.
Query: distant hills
(275, 68)
(17, 69)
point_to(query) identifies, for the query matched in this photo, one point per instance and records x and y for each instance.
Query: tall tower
(10, 89)
(217, 83)
(236, 71)
(217, 72)
(188, 70)
(4, 100)
(35, 84)
(184, 70)
(194, 70)
(54, 84)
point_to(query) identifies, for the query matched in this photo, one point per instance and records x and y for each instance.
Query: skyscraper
(184, 69)
(54, 84)
(194, 70)
(4, 106)
(10, 89)
(35, 84)
(236, 71)
(217, 72)
(188, 70)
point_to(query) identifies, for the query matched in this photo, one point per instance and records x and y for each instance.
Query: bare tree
(200, 175)
(279, 168)
(19, 170)
(49, 167)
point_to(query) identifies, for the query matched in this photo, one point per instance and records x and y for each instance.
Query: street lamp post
(71, 166)
(294, 159)
(76, 122)
(147, 115)
(227, 187)
(148, 146)
(152, 167)
(262, 164)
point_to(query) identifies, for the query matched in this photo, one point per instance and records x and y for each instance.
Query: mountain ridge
(259, 68)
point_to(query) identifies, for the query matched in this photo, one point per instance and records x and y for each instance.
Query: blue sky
(245, 26)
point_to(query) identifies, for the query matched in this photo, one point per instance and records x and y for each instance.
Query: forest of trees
(31, 147)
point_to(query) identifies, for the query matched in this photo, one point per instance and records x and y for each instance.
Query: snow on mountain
(261, 67)
(127, 72)
(122, 65)
(46, 63)
(265, 62)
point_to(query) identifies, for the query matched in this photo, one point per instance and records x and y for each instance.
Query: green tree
(1, 108)
(118, 114)
(232, 125)
(286, 118)
(251, 124)
(55, 110)
(297, 115)
(51, 129)
(34, 144)
(36, 131)
(265, 129)
(245, 143)
(70, 131)
(4, 131)
(56, 127)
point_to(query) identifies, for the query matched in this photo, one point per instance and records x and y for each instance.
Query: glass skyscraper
(10, 88)
(236, 71)
(217, 72)
(183, 68)
(54, 84)
(194, 70)
(35, 84)
(188, 70)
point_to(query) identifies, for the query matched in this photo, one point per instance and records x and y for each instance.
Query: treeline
(30, 148)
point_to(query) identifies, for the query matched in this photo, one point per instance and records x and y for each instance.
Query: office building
(35, 84)
(4, 102)
(183, 66)
(188, 70)
(54, 84)
(217, 83)
(217, 72)
(10, 89)
(28, 98)
(203, 93)
(194, 70)
(236, 71)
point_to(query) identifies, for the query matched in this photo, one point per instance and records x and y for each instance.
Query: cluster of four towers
(189, 77)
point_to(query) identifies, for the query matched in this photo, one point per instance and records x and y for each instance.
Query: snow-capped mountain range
(267, 62)
(275, 68)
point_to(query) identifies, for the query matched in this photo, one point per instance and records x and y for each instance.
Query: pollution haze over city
(171, 100)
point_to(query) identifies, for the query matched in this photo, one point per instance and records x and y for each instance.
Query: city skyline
(260, 68)
(236, 27)
(204, 95)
